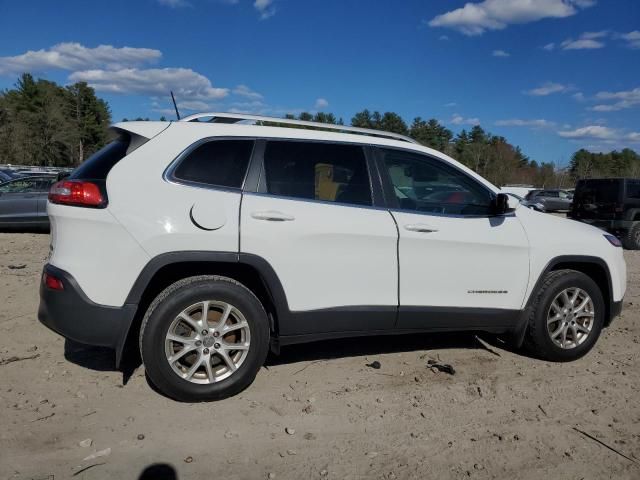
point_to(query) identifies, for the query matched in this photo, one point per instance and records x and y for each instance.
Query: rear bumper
(70, 313)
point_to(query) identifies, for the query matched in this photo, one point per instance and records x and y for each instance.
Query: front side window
(428, 185)
(219, 163)
(317, 171)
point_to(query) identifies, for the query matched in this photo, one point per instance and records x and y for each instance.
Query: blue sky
(550, 75)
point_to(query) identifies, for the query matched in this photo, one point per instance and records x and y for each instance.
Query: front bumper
(70, 313)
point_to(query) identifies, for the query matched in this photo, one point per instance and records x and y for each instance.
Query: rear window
(598, 191)
(98, 165)
(219, 163)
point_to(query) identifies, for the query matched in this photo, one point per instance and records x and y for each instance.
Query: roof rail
(221, 117)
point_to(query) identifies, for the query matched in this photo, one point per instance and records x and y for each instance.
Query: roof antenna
(175, 105)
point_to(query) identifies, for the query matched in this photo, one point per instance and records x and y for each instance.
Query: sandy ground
(502, 415)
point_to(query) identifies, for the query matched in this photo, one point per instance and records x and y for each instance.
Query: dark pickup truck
(612, 204)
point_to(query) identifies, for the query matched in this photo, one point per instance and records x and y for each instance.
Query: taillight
(52, 282)
(79, 193)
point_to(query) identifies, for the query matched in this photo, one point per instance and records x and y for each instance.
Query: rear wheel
(204, 338)
(566, 316)
(631, 239)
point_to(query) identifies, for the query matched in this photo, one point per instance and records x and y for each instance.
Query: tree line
(42, 123)
(45, 124)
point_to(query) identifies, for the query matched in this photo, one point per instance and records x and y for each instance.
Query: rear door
(459, 266)
(314, 218)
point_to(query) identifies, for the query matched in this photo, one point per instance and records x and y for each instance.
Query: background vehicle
(218, 240)
(7, 174)
(538, 206)
(612, 204)
(553, 200)
(23, 201)
(520, 190)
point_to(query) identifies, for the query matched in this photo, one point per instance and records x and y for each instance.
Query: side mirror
(500, 204)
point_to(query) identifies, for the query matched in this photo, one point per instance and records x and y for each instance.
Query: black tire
(166, 307)
(631, 239)
(538, 340)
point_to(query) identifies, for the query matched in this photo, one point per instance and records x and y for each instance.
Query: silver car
(23, 201)
(553, 200)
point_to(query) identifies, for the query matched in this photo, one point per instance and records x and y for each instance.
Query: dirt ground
(502, 415)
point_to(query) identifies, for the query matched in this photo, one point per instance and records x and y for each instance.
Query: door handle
(420, 227)
(273, 216)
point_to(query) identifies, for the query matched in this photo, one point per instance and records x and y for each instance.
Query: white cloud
(443, 37)
(578, 97)
(597, 132)
(548, 88)
(500, 53)
(174, 3)
(321, 103)
(450, 104)
(582, 44)
(458, 119)
(244, 91)
(476, 18)
(601, 134)
(518, 122)
(194, 105)
(632, 38)
(586, 41)
(594, 35)
(549, 47)
(265, 8)
(74, 56)
(186, 84)
(621, 100)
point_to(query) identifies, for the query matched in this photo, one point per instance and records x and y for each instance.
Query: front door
(334, 252)
(459, 266)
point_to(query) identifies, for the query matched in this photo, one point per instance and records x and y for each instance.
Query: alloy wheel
(570, 318)
(207, 342)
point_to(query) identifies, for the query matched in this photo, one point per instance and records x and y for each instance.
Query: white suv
(212, 240)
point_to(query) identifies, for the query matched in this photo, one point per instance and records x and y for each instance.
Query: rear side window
(98, 165)
(598, 191)
(219, 163)
(317, 171)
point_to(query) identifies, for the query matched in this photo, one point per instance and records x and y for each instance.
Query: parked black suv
(612, 204)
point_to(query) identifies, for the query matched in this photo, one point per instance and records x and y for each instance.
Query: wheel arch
(594, 267)
(252, 271)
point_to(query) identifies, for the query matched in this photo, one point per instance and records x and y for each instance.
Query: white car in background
(210, 240)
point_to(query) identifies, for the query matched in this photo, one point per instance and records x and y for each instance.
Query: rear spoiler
(140, 132)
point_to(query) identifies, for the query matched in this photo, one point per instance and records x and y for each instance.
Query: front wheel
(631, 238)
(204, 338)
(566, 316)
